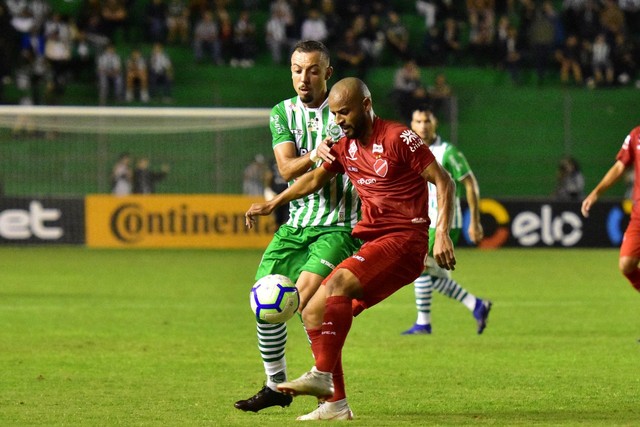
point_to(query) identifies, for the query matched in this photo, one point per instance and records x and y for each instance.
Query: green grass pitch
(166, 338)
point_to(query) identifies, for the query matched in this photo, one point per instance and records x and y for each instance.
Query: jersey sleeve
(627, 151)
(278, 123)
(456, 163)
(413, 151)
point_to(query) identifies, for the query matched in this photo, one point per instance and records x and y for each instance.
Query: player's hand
(443, 251)
(255, 210)
(476, 232)
(587, 203)
(323, 151)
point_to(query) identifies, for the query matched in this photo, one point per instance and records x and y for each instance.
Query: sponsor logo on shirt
(352, 169)
(277, 124)
(411, 139)
(419, 220)
(358, 257)
(366, 181)
(381, 167)
(377, 148)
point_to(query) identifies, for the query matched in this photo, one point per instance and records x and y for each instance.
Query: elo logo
(529, 228)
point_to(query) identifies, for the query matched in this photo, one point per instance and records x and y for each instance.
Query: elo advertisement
(174, 221)
(519, 223)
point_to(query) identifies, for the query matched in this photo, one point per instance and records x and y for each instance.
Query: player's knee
(344, 283)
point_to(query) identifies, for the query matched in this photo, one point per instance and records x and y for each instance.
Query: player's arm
(445, 189)
(291, 166)
(308, 183)
(472, 193)
(610, 178)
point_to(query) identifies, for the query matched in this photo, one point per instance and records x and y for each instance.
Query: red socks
(336, 324)
(634, 278)
(339, 393)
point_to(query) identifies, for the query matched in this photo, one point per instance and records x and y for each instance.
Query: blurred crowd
(584, 42)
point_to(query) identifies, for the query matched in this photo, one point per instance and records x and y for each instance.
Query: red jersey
(386, 175)
(628, 155)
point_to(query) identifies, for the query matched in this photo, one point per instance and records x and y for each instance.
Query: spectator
(624, 59)
(588, 22)
(428, 9)
(569, 58)
(178, 22)
(144, 179)
(109, 74)
(155, 17)
(314, 27)
(58, 54)
(83, 57)
(481, 18)
(244, 39)
(570, 183)
(225, 35)
(611, 18)
(276, 36)
(542, 39)
(137, 77)
(253, 181)
(398, 36)
(440, 94)
(602, 64)
(160, 73)
(122, 176)
(114, 17)
(351, 57)
(451, 41)
(408, 90)
(511, 55)
(205, 39)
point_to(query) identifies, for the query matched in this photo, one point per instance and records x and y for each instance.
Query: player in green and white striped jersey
(424, 123)
(317, 236)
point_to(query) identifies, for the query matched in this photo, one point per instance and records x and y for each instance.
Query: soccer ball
(274, 299)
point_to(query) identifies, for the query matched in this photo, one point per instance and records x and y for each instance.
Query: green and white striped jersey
(454, 162)
(337, 203)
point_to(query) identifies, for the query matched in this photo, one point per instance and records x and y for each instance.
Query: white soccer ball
(274, 299)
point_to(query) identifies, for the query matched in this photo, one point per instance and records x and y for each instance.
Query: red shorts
(385, 265)
(631, 240)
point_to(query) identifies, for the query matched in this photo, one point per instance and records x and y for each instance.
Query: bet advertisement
(174, 221)
(36, 220)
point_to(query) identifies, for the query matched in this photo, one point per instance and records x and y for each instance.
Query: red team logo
(381, 167)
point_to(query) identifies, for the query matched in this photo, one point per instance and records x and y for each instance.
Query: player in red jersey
(389, 166)
(630, 249)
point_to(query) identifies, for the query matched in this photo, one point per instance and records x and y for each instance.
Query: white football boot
(313, 383)
(333, 411)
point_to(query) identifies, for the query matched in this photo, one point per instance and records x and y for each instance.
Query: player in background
(389, 166)
(626, 158)
(425, 124)
(317, 235)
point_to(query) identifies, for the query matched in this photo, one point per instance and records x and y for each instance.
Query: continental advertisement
(173, 221)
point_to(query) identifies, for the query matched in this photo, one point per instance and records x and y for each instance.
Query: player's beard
(307, 98)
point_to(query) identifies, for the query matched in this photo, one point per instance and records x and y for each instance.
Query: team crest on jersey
(381, 167)
(313, 124)
(353, 149)
(377, 148)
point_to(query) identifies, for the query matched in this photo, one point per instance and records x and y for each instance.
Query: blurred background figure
(570, 184)
(122, 176)
(254, 176)
(144, 179)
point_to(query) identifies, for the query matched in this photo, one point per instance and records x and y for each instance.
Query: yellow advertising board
(173, 221)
